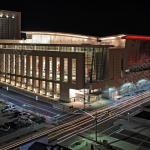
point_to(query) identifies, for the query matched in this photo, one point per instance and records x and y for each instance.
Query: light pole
(96, 126)
(84, 99)
(95, 119)
(128, 116)
(36, 97)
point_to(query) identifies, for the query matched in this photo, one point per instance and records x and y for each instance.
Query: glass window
(49, 88)
(50, 68)
(31, 66)
(13, 64)
(19, 64)
(8, 63)
(43, 84)
(65, 69)
(74, 69)
(37, 66)
(43, 67)
(57, 91)
(25, 65)
(57, 88)
(57, 68)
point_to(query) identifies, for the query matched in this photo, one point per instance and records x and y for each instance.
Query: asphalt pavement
(46, 109)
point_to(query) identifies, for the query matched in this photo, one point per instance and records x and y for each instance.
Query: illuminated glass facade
(63, 66)
(44, 70)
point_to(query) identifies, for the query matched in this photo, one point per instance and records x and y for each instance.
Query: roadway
(30, 103)
(85, 122)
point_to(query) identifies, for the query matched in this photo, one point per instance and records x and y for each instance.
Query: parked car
(14, 114)
(8, 108)
(38, 119)
(4, 128)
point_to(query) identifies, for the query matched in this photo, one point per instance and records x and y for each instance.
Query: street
(67, 130)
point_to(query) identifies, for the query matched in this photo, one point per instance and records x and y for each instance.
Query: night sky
(103, 17)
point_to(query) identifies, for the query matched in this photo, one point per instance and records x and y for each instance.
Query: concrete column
(40, 72)
(61, 69)
(1, 64)
(33, 71)
(16, 68)
(80, 76)
(22, 68)
(27, 70)
(46, 73)
(64, 93)
(11, 66)
(6, 66)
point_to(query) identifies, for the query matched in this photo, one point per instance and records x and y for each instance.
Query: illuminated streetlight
(128, 116)
(95, 118)
(36, 98)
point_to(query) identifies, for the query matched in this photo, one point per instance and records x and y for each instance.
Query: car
(38, 119)
(14, 114)
(8, 108)
(4, 128)
(26, 114)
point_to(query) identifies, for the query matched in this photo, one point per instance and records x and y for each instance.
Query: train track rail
(85, 122)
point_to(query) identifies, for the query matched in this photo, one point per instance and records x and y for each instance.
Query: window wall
(50, 68)
(65, 69)
(57, 68)
(41, 72)
(95, 64)
(43, 67)
(74, 70)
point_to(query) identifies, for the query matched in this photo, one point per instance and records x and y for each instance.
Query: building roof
(59, 34)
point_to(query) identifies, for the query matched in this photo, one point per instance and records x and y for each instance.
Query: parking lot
(16, 122)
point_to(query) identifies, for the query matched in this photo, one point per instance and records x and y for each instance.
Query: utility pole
(96, 126)
(128, 116)
(95, 120)
(84, 99)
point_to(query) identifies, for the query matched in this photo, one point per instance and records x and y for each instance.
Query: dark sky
(101, 17)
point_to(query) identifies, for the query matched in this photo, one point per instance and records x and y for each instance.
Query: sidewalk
(91, 106)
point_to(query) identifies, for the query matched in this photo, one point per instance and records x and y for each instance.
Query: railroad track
(84, 122)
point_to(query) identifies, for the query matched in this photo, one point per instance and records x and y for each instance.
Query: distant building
(10, 24)
(71, 67)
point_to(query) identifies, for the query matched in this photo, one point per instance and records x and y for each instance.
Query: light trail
(68, 129)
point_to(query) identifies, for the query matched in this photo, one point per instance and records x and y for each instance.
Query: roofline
(61, 34)
(9, 11)
(136, 37)
(112, 36)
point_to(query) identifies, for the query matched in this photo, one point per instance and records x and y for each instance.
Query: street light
(95, 118)
(128, 116)
(84, 99)
(36, 97)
